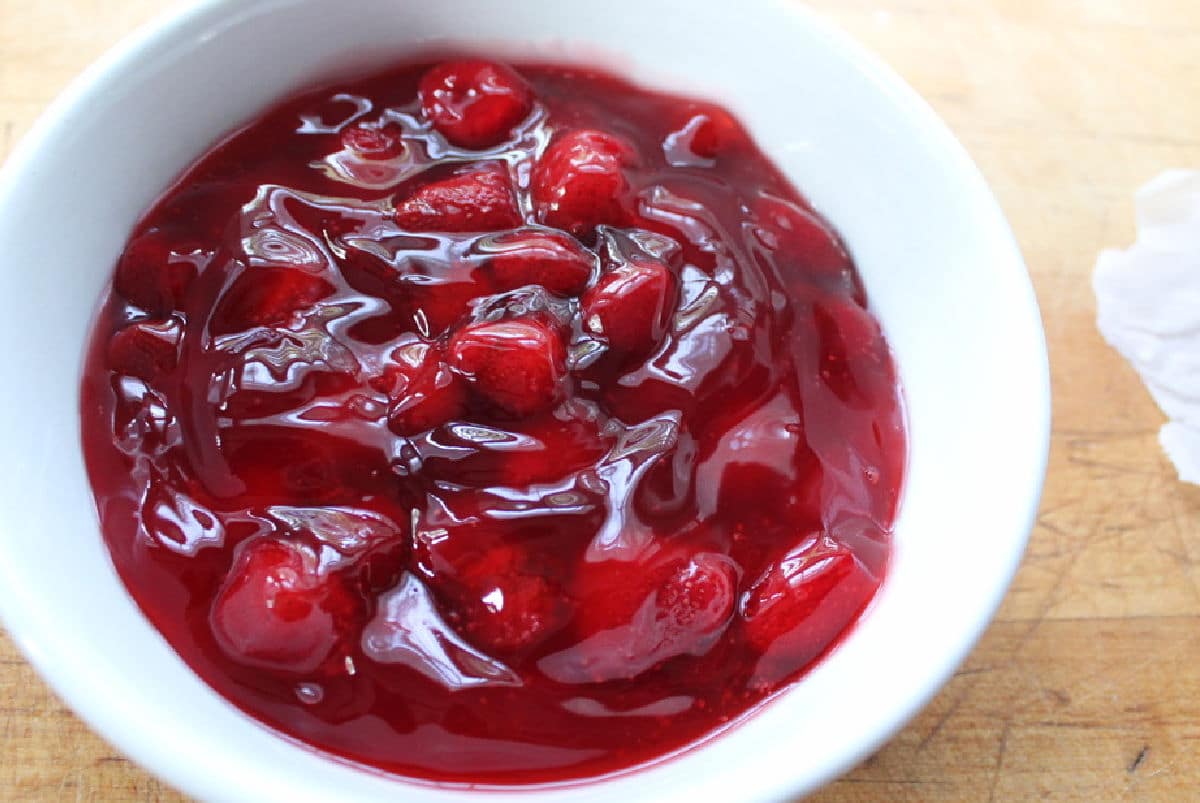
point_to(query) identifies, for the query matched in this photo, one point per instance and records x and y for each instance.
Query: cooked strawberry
(552, 259)
(581, 182)
(277, 465)
(711, 131)
(854, 360)
(544, 448)
(442, 298)
(517, 364)
(800, 605)
(494, 592)
(806, 247)
(152, 275)
(277, 611)
(373, 142)
(503, 606)
(424, 392)
(267, 296)
(630, 305)
(145, 349)
(632, 616)
(474, 104)
(478, 200)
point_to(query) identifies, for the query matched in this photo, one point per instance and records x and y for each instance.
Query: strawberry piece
(630, 305)
(854, 360)
(516, 364)
(372, 142)
(502, 605)
(546, 448)
(552, 259)
(806, 246)
(371, 538)
(277, 465)
(552, 449)
(276, 611)
(145, 350)
(474, 104)
(442, 297)
(479, 200)
(493, 591)
(799, 606)
(424, 392)
(634, 616)
(580, 182)
(266, 296)
(152, 275)
(712, 130)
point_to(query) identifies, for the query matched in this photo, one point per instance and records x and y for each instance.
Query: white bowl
(938, 259)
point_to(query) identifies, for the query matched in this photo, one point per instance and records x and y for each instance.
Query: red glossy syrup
(492, 428)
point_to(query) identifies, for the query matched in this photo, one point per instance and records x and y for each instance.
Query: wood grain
(1087, 686)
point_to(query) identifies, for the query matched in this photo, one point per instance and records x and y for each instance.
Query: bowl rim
(103, 716)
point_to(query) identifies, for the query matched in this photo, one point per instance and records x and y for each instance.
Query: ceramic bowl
(935, 252)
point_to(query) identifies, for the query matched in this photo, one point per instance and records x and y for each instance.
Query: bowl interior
(937, 257)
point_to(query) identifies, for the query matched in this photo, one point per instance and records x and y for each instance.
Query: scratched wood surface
(1087, 686)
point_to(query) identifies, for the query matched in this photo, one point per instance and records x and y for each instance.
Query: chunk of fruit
(267, 296)
(552, 259)
(634, 616)
(373, 142)
(630, 305)
(479, 200)
(854, 360)
(502, 606)
(493, 590)
(145, 350)
(799, 606)
(518, 364)
(474, 104)
(581, 182)
(806, 247)
(152, 275)
(441, 297)
(277, 465)
(276, 611)
(370, 538)
(706, 132)
(545, 448)
(424, 392)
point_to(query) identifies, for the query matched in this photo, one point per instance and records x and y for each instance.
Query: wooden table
(1087, 686)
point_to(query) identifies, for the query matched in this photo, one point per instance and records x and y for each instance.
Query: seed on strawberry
(581, 182)
(553, 259)
(145, 350)
(630, 305)
(276, 610)
(478, 200)
(516, 364)
(474, 104)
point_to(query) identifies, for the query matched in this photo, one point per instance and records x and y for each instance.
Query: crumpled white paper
(1148, 308)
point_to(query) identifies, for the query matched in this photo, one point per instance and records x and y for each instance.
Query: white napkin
(1148, 308)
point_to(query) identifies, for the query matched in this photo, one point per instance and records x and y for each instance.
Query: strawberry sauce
(493, 425)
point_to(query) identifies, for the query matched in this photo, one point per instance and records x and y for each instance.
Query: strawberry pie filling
(493, 425)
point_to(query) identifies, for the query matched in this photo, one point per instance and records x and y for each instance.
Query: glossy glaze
(412, 480)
